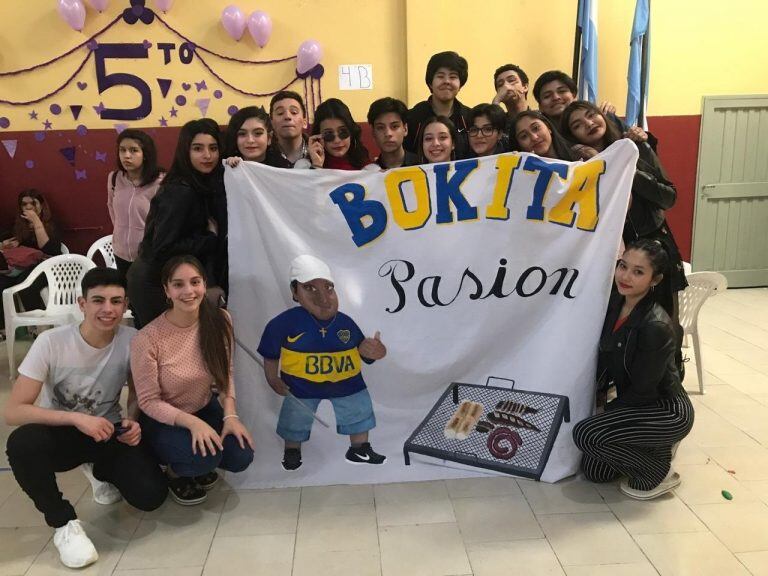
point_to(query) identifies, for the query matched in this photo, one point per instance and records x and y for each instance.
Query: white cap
(305, 268)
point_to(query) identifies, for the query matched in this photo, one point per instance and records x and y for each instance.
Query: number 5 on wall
(107, 81)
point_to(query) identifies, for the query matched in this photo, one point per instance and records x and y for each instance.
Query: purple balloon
(164, 5)
(233, 21)
(309, 56)
(73, 13)
(99, 5)
(260, 27)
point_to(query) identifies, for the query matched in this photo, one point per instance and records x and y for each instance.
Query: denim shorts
(354, 415)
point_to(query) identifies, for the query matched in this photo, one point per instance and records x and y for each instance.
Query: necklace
(324, 329)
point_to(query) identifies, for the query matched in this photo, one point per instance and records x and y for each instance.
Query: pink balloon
(234, 21)
(309, 55)
(164, 5)
(260, 27)
(73, 13)
(99, 5)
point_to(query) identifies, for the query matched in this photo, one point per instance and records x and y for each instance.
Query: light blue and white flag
(639, 64)
(587, 21)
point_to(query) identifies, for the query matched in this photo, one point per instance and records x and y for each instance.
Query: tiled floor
(483, 526)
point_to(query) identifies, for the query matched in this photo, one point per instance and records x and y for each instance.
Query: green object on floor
(727, 495)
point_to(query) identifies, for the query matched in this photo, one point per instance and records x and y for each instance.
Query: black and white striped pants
(634, 442)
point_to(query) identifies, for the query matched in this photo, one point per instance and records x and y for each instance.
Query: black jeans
(36, 452)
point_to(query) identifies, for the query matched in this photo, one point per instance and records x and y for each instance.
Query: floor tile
(265, 554)
(337, 528)
(110, 550)
(341, 495)
(170, 542)
(746, 462)
(567, 496)
(522, 558)
(483, 487)
(705, 485)
(429, 550)
(186, 571)
(252, 512)
(333, 563)
(664, 514)
(392, 513)
(413, 503)
(20, 546)
(756, 562)
(495, 519)
(612, 570)
(578, 539)
(741, 526)
(690, 554)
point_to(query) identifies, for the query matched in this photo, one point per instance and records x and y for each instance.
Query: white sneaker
(75, 548)
(103, 492)
(669, 483)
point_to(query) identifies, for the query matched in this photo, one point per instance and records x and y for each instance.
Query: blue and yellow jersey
(318, 359)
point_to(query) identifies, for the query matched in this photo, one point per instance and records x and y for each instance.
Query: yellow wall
(698, 48)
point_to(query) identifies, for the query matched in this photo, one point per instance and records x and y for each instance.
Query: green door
(730, 232)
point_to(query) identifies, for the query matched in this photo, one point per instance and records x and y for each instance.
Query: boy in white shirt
(78, 372)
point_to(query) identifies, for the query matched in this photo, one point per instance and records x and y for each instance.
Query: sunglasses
(330, 135)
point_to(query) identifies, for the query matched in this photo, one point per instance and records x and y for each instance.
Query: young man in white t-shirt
(78, 372)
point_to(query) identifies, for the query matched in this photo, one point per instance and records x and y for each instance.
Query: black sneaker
(207, 481)
(364, 455)
(291, 459)
(186, 491)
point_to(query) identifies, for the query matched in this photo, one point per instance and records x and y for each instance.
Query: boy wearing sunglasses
(387, 117)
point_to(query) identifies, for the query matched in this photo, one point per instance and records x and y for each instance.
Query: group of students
(170, 244)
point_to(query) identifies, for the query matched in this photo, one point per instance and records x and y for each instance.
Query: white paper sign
(355, 77)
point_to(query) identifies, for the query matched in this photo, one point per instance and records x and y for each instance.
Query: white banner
(498, 266)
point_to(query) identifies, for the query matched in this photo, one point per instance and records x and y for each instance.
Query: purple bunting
(202, 104)
(81, 175)
(10, 147)
(75, 109)
(101, 156)
(69, 154)
(165, 85)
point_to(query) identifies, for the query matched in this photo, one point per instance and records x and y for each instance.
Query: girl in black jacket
(188, 216)
(652, 193)
(651, 411)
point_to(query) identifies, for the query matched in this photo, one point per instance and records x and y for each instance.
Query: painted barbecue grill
(514, 433)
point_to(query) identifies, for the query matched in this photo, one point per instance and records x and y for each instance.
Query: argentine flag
(587, 21)
(637, 63)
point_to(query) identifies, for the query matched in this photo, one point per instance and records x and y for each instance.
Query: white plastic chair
(104, 247)
(64, 274)
(701, 285)
(64, 249)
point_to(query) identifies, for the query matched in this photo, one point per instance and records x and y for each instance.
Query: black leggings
(36, 452)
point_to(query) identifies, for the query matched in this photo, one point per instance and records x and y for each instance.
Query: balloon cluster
(73, 11)
(259, 25)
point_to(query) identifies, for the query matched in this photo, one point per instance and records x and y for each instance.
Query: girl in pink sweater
(129, 191)
(182, 369)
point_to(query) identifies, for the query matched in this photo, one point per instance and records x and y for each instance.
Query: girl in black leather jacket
(652, 193)
(651, 411)
(188, 216)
